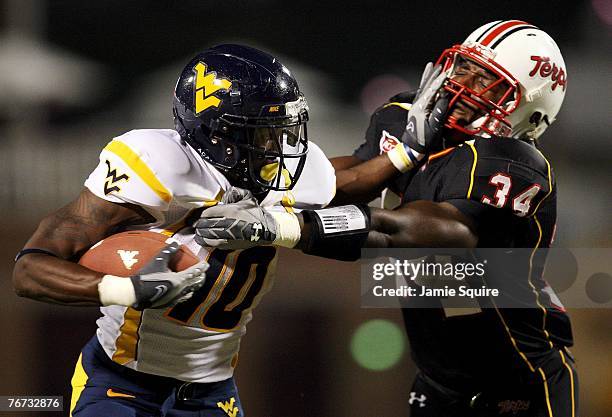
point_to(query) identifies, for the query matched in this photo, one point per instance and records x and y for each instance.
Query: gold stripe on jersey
(550, 413)
(405, 106)
(475, 152)
(217, 289)
(234, 361)
(127, 341)
(533, 288)
(521, 354)
(79, 379)
(216, 200)
(245, 288)
(537, 301)
(549, 185)
(169, 309)
(174, 228)
(133, 160)
(571, 382)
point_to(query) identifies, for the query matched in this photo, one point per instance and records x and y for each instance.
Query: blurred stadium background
(74, 74)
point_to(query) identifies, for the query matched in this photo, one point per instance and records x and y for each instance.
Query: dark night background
(73, 74)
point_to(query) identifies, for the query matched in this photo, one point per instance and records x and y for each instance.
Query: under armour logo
(410, 126)
(413, 398)
(112, 178)
(257, 228)
(228, 407)
(128, 257)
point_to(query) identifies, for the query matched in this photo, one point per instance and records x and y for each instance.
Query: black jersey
(507, 187)
(386, 128)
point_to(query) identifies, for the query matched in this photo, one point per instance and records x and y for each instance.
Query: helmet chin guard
(529, 73)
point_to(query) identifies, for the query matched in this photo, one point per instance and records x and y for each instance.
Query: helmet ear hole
(535, 118)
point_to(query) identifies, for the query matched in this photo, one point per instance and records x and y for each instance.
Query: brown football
(125, 253)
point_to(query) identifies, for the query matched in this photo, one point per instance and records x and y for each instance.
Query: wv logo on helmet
(206, 85)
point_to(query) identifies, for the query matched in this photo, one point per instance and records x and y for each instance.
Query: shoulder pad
(151, 168)
(404, 97)
(508, 173)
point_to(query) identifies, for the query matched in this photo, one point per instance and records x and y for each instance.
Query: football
(123, 254)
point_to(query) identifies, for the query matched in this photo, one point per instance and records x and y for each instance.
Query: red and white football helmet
(528, 65)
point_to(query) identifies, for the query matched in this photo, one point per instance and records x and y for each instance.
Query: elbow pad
(337, 232)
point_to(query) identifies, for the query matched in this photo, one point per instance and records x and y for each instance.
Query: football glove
(239, 222)
(426, 117)
(155, 286)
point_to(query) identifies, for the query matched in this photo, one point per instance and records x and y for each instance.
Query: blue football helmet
(243, 112)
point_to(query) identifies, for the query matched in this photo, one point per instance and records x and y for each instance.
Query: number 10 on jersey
(234, 281)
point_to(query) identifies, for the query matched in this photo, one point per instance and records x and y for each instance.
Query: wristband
(404, 158)
(28, 251)
(116, 291)
(337, 232)
(288, 230)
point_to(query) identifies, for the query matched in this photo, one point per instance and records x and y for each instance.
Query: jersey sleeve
(479, 182)
(385, 130)
(369, 148)
(152, 169)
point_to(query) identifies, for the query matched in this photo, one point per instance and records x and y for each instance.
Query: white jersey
(198, 340)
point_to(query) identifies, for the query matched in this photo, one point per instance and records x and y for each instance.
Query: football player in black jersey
(471, 177)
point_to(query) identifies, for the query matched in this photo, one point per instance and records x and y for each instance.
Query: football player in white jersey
(240, 120)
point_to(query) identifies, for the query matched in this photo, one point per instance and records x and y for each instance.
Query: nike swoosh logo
(160, 291)
(111, 393)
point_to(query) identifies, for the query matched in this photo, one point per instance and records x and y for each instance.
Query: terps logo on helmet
(387, 142)
(543, 65)
(207, 84)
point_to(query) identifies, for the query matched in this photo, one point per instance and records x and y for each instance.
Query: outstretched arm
(361, 182)
(338, 232)
(416, 224)
(421, 224)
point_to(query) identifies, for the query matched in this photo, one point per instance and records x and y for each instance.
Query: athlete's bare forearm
(415, 224)
(421, 224)
(361, 182)
(68, 233)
